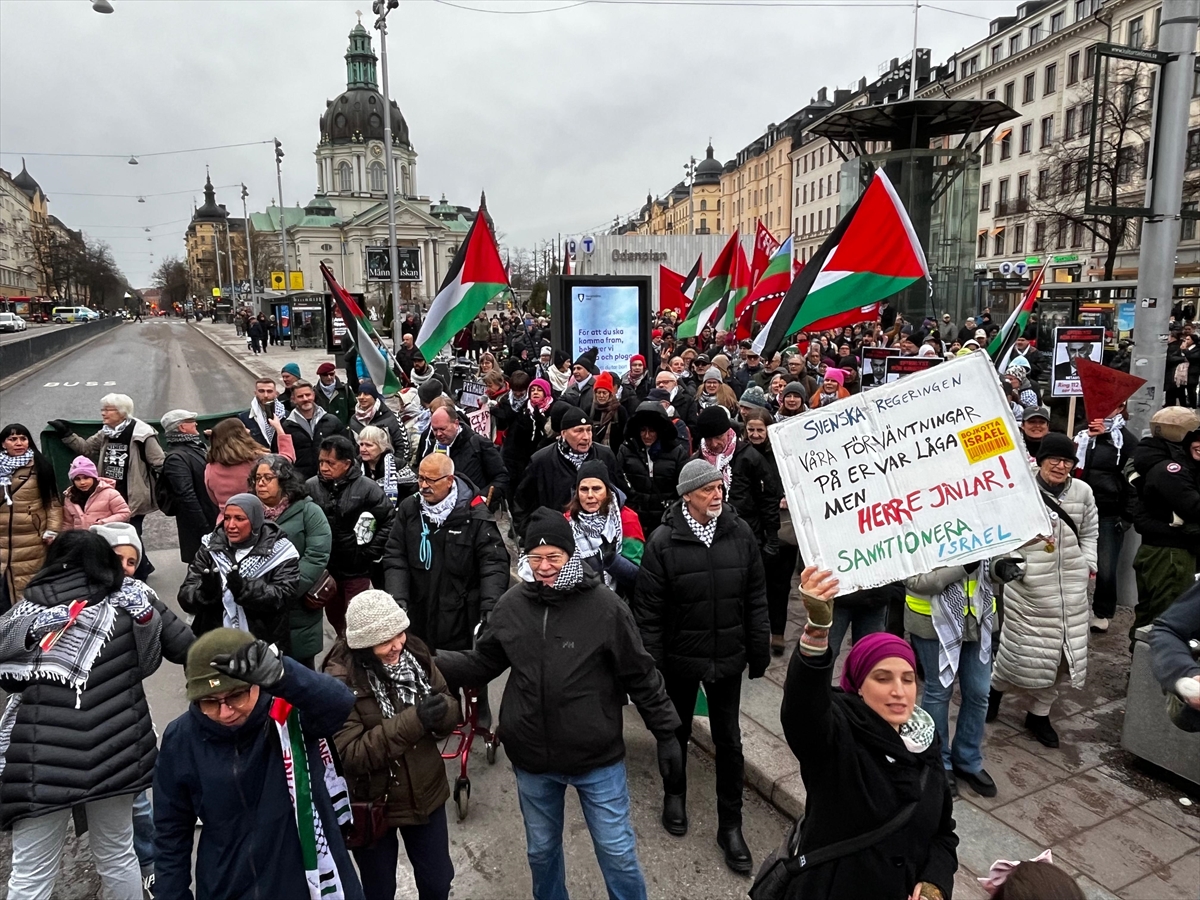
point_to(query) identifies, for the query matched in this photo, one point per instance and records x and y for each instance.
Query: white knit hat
(373, 617)
(119, 534)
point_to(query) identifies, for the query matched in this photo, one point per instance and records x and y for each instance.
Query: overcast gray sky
(565, 117)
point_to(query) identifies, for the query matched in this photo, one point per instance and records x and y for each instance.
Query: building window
(1083, 9)
(981, 245)
(377, 177)
(1010, 92)
(1047, 131)
(703, 205)
(1056, 22)
(1051, 84)
(987, 153)
(1067, 181)
(1026, 137)
(1006, 145)
(1069, 123)
(1023, 186)
(820, 219)
(1039, 236)
(345, 178)
(1043, 184)
(1028, 88)
(969, 67)
(1036, 33)
(1126, 157)
(1085, 118)
(997, 53)
(1193, 149)
(1002, 192)
(1089, 62)
(1060, 235)
(1014, 44)
(1018, 241)
(703, 225)
(1076, 234)
(998, 244)
(985, 197)
(990, 95)
(1073, 68)
(405, 187)
(1136, 33)
(1187, 227)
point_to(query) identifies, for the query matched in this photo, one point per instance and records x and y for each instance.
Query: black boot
(674, 814)
(483, 711)
(1042, 730)
(737, 854)
(993, 710)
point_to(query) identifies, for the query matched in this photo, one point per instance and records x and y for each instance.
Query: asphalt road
(32, 329)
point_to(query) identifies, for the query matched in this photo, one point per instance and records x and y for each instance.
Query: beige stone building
(690, 207)
(208, 250)
(21, 204)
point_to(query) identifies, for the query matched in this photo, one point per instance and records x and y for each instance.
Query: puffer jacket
(105, 504)
(702, 611)
(1046, 611)
(649, 474)
(266, 597)
(343, 501)
(467, 572)
(68, 748)
(1103, 468)
(1166, 507)
(145, 453)
(395, 760)
(307, 528)
(22, 524)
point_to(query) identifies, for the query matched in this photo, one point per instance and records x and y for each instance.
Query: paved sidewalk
(263, 365)
(1116, 827)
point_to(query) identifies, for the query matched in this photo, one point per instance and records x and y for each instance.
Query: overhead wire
(134, 155)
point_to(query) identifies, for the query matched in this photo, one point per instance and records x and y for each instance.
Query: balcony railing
(1013, 207)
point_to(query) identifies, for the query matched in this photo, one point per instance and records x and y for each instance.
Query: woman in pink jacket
(91, 500)
(232, 454)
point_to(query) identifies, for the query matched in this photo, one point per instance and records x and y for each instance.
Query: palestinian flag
(871, 254)
(476, 277)
(765, 246)
(838, 321)
(739, 286)
(767, 292)
(710, 295)
(692, 282)
(1001, 347)
(358, 326)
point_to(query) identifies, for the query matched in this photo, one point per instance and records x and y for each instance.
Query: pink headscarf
(868, 653)
(547, 399)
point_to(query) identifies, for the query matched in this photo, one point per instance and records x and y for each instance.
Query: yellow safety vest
(922, 607)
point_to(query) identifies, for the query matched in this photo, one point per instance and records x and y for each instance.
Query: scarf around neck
(271, 513)
(721, 460)
(949, 610)
(182, 437)
(259, 415)
(1112, 427)
(568, 576)
(576, 459)
(407, 678)
(9, 466)
(113, 432)
(706, 533)
(366, 415)
(439, 512)
(328, 389)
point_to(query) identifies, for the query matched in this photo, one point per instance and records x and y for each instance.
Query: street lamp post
(233, 291)
(249, 253)
(287, 269)
(381, 8)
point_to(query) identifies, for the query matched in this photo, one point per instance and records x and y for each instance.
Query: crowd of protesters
(635, 517)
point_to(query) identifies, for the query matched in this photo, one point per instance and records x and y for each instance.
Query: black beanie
(572, 417)
(1057, 444)
(712, 422)
(588, 360)
(430, 391)
(550, 529)
(594, 468)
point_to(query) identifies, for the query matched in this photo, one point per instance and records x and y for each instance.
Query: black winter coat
(549, 481)
(266, 598)
(1104, 470)
(467, 572)
(195, 513)
(1166, 507)
(475, 458)
(343, 501)
(649, 475)
(858, 774)
(524, 434)
(754, 490)
(307, 445)
(702, 611)
(68, 748)
(233, 780)
(257, 433)
(573, 656)
(384, 418)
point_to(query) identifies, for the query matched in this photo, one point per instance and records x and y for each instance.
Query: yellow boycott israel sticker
(985, 440)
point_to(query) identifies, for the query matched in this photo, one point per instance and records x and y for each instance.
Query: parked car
(70, 314)
(11, 322)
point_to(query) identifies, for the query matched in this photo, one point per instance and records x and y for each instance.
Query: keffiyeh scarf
(568, 576)
(259, 415)
(407, 678)
(595, 530)
(949, 609)
(249, 566)
(181, 437)
(439, 512)
(706, 533)
(366, 415)
(723, 459)
(8, 466)
(1084, 442)
(112, 432)
(576, 459)
(388, 478)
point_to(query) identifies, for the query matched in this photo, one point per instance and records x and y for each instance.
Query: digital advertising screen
(609, 313)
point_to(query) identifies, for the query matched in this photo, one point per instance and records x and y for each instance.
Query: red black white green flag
(768, 291)
(704, 308)
(1001, 347)
(871, 254)
(358, 325)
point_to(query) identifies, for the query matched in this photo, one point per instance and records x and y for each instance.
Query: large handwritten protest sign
(899, 480)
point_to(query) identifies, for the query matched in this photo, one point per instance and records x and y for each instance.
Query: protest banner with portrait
(926, 472)
(1070, 345)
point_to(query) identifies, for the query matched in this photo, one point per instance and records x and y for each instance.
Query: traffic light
(245, 193)
(278, 151)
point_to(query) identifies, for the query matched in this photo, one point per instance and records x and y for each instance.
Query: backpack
(160, 485)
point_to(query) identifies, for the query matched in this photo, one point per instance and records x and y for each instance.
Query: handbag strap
(1062, 513)
(798, 862)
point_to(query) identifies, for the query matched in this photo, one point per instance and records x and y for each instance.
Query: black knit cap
(594, 468)
(572, 417)
(547, 528)
(1057, 444)
(712, 422)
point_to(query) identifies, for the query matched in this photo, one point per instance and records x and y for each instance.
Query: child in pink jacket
(91, 500)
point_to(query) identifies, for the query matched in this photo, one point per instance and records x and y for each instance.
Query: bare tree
(171, 279)
(1122, 121)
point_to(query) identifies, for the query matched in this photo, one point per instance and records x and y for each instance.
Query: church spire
(360, 60)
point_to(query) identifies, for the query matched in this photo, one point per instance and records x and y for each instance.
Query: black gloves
(210, 586)
(234, 582)
(771, 547)
(255, 663)
(61, 427)
(431, 709)
(670, 760)
(1008, 570)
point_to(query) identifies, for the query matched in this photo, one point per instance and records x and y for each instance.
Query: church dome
(25, 182)
(356, 115)
(709, 170)
(211, 211)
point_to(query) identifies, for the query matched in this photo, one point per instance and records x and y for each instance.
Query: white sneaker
(1099, 625)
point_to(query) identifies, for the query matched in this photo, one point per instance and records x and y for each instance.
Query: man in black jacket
(308, 426)
(549, 478)
(650, 460)
(360, 517)
(574, 653)
(183, 468)
(701, 606)
(264, 410)
(475, 457)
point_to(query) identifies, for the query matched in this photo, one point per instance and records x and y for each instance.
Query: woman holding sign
(878, 816)
(1044, 638)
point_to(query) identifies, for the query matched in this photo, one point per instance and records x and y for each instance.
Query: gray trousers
(37, 846)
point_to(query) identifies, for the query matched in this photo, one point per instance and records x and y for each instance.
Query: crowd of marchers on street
(615, 537)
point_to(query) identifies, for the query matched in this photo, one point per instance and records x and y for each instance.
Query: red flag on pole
(670, 291)
(765, 246)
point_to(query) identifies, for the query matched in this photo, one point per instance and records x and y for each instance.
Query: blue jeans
(974, 682)
(859, 621)
(604, 796)
(1108, 554)
(143, 830)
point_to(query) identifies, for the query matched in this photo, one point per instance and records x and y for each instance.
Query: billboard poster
(896, 367)
(1072, 343)
(379, 266)
(605, 317)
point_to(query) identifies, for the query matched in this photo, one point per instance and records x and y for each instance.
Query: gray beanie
(696, 473)
(714, 373)
(119, 534)
(373, 617)
(753, 396)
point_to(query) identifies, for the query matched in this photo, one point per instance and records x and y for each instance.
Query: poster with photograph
(1072, 343)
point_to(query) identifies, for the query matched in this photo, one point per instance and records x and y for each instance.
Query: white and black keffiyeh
(8, 466)
(917, 733)
(576, 459)
(406, 678)
(593, 531)
(949, 609)
(249, 566)
(388, 479)
(706, 533)
(113, 432)
(439, 512)
(568, 576)
(258, 414)
(1112, 427)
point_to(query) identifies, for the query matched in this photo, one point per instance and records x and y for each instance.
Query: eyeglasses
(237, 701)
(1061, 463)
(552, 558)
(425, 479)
(263, 479)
